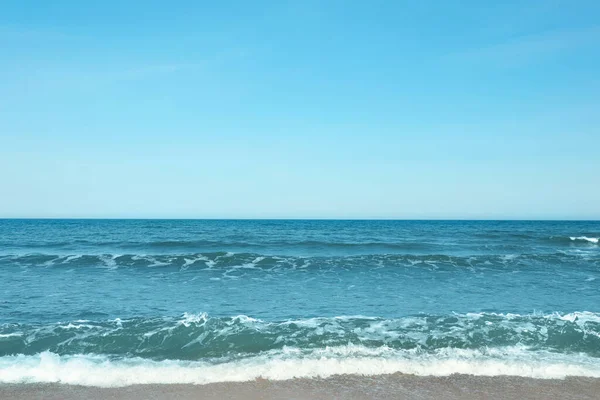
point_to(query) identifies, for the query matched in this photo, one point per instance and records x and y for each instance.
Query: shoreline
(351, 387)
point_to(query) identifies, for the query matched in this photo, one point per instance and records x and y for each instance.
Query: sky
(300, 109)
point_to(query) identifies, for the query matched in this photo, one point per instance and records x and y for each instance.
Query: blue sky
(302, 109)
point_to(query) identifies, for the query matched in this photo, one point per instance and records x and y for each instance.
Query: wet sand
(349, 387)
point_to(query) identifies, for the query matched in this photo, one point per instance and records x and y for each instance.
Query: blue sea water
(118, 302)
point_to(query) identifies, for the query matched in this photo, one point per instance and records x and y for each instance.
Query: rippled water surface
(157, 301)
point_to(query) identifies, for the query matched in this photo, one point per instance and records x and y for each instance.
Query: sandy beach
(349, 387)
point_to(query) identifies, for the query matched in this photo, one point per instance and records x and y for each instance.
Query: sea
(112, 303)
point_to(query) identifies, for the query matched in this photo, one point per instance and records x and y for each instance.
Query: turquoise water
(116, 302)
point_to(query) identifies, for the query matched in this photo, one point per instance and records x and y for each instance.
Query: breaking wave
(289, 363)
(217, 260)
(585, 238)
(198, 349)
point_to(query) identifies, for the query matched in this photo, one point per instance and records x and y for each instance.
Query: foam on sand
(101, 371)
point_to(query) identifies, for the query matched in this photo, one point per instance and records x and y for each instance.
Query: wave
(102, 371)
(198, 336)
(585, 238)
(214, 260)
(571, 241)
(277, 244)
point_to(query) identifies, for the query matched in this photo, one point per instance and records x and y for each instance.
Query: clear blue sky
(321, 109)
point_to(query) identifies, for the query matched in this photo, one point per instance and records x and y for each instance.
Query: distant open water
(118, 302)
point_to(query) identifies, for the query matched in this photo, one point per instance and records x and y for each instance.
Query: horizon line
(301, 219)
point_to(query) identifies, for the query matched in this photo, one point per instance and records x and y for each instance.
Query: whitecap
(289, 363)
(585, 238)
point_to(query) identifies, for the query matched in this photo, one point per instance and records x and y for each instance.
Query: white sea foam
(158, 263)
(71, 325)
(577, 316)
(8, 335)
(90, 370)
(587, 239)
(70, 258)
(109, 261)
(189, 319)
(297, 360)
(192, 260)
(244, 319)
